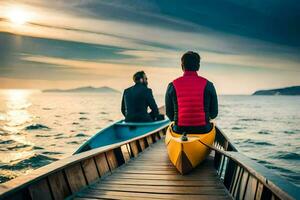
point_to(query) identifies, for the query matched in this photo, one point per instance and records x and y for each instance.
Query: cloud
(100, 68)
(79, 39)
(251, 61)
(116, 75)
(70, 26)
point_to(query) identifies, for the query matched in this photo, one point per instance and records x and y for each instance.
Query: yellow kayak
(186, 155)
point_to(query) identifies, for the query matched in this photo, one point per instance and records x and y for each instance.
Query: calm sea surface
(38, 128)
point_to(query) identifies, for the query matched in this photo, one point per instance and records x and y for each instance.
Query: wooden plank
(102, 164)
(243, 185)
(40, 190)
(126, 153)
(251, 188)
(236, 181)
(112, 160)
(149, 140)
(90, 170)
(172, 170)
(129, 150)
(59, 186)
(105, 197)
(259, 191)
(151, 163)
(157, 172)
(164, 177)
(142, 144)
(117, 181)
(134, 148)
(160, 189)
(75, 177)
(155, 168)
(149, 160)
(166, 172)
(142, 162)
(155, 157)
(137, 163)
(141, 195)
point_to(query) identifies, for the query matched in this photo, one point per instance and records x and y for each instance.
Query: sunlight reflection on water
(13, 121)
(17, 114)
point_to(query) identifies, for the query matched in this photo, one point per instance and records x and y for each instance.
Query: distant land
(294, 90)
(87, 89)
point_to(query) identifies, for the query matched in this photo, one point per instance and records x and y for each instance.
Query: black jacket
(210, 108)
(135, 103)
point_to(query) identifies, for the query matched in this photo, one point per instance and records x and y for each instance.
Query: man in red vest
(191, 100)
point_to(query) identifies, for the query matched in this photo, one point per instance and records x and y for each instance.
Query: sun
(17, 15)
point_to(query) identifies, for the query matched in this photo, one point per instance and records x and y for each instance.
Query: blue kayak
(120, 131)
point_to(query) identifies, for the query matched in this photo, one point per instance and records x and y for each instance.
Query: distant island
(294, 90)
(88, 89)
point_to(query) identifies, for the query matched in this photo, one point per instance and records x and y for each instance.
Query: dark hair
(190, 61)
(138, 75)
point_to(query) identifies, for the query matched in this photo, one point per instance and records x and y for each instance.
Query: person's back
(137, 99)
(191, 100)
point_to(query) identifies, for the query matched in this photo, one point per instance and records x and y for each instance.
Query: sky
(244, 45)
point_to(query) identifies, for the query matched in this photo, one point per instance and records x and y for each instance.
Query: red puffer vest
(190, 98)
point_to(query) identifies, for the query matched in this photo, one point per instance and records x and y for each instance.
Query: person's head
(190, 61)
(140, 77)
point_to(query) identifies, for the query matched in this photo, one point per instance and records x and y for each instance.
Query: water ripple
(36, 127)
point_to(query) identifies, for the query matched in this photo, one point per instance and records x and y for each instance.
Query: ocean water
(38, 128)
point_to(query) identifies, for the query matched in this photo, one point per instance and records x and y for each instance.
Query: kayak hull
(186, 155)
(120, 131)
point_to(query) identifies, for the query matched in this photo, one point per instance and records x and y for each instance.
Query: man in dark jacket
(191, 100)
(137, 99)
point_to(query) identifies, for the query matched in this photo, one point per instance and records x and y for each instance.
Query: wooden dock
(152, 176)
